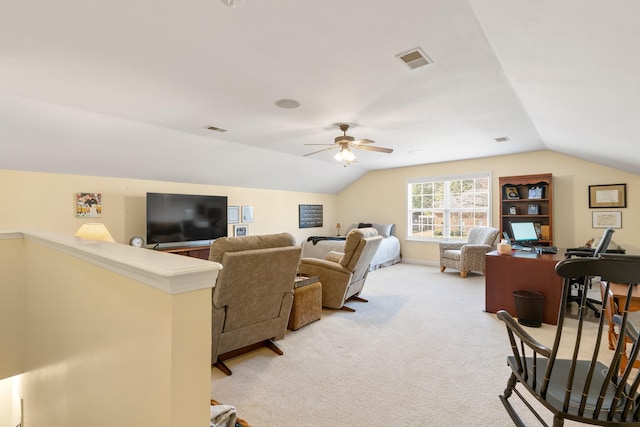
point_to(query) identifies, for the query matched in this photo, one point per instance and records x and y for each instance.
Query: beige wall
(46, 202)
(100, 349)
(12, 306)
(381, 197)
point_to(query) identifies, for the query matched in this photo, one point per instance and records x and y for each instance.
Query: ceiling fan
(344, 143)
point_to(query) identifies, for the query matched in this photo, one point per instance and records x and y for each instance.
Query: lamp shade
(94, 231)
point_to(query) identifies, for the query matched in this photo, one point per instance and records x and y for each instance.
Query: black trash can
(529, 308)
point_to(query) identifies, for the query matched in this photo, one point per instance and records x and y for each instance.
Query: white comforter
(387, 254)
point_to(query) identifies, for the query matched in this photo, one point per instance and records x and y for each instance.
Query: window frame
(447, 179)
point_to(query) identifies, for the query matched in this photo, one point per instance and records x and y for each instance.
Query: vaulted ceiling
(129, 88)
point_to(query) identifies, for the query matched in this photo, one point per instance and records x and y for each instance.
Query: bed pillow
(365, 225)
(384, 230)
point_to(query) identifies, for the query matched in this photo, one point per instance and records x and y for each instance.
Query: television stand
(201, 252)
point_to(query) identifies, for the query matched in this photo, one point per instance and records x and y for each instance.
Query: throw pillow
(365, 225)
(384, 230)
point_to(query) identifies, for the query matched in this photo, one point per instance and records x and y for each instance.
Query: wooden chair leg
(273, 347)
(358, 298)
(463, 274)
(345, 308)
(224, 368)
(442, 267)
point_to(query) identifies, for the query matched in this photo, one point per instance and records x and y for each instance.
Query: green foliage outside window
(441, 209)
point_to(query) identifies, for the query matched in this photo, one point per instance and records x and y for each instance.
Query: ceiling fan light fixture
(345, 155)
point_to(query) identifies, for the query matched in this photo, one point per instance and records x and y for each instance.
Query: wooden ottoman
(307, 302)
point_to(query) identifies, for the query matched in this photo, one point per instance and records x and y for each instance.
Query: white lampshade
(94, 231)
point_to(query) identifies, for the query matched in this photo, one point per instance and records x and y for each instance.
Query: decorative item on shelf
(538, 228)
(338, 226)
(544, 232)
(513, 210)
(536, 192)
(137, 241)
(94, 231)
(533, 209)
(512, 192)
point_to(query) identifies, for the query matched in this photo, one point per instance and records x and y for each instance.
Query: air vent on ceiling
(502, 139)
(216, 129)
(415, 58)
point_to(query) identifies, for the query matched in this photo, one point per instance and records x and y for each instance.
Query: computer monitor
(523, 232)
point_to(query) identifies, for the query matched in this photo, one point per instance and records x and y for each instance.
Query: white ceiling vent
(502, 139)
(415, 58)
(213, 128)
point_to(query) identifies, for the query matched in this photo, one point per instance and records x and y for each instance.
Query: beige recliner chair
(343, 274)
(469, 256)
(253, 293)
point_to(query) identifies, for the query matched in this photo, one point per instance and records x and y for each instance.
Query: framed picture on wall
(233, 214)
(247, 214)
(608, 196)
(240, 230)
(606, 219)
(88, 205)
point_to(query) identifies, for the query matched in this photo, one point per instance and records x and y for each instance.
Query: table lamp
(94, 231)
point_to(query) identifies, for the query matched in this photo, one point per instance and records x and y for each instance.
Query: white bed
(388, 253)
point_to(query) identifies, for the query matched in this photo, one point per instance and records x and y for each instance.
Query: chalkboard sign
(310, 216)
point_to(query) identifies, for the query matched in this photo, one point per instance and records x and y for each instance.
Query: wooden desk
(523, 271)
(619, 292)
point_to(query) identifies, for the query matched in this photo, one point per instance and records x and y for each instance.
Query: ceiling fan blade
(371, 148)
(322, 144)
(364, 141)
(319, 151)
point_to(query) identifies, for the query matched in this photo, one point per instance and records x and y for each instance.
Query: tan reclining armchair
(253, 294)
(469, 256)
(343, 274)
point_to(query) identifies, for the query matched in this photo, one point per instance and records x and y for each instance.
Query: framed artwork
(240, 230)
(538, 227)
(88, 205)
(513, 210)
(533, 209)
(606, 219)
(310, 216)
(233, 214)
(608, 196)
(536, 192)
(247, 214)
(512, 192)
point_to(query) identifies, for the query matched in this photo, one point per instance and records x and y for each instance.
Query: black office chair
(583, 283)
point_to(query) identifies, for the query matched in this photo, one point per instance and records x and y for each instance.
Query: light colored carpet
(422, 352)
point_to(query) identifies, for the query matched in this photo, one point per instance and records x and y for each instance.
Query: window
(447, 207)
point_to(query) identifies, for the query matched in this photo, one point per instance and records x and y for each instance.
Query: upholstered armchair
(343, 274)
(253, 294)
(469, 256)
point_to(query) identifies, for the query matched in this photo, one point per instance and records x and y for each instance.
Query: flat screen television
(185, 219)
(524, 232)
